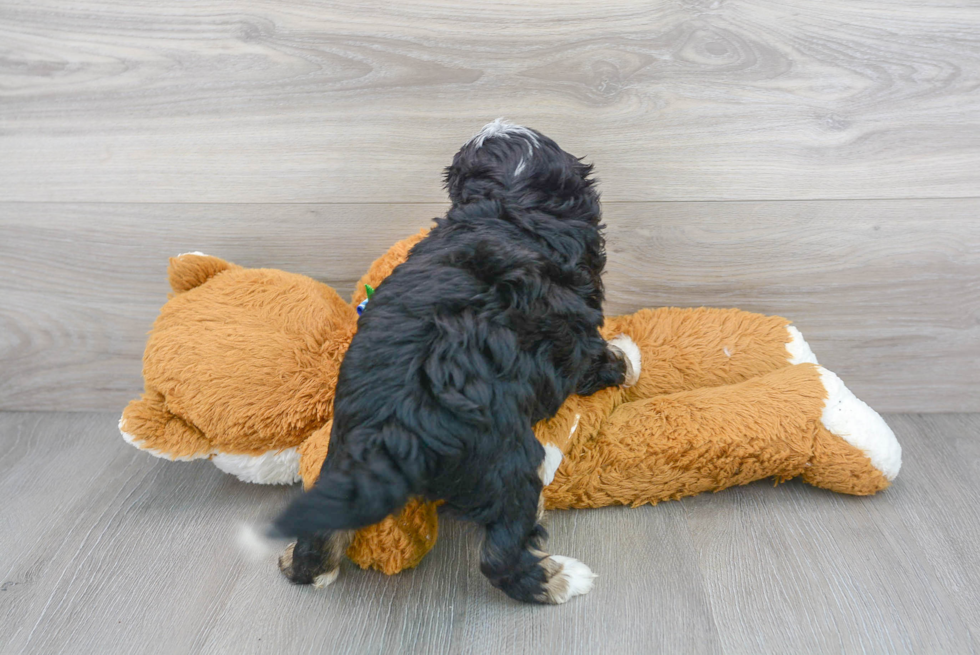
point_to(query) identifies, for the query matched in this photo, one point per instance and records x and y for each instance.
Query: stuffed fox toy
(241, 365)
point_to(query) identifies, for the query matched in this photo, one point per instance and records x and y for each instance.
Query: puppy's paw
(567, 578)
(307, 569)
(286, 565)
(630, 352)
(295, 571)
(326, 579)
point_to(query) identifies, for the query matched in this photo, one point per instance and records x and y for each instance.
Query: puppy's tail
(348, 495)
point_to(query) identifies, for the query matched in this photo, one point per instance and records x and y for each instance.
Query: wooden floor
(105, 549)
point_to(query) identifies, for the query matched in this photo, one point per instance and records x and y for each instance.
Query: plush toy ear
(384, 265)
(193, 269)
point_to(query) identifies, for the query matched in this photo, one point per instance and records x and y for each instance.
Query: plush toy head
(240, 368)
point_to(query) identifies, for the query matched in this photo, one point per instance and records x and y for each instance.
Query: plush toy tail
(193, 269)
(348, 495)
(795, 421)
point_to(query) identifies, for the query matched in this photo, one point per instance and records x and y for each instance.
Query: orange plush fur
(241, 364)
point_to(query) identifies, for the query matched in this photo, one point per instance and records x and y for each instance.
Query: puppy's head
(522, 168)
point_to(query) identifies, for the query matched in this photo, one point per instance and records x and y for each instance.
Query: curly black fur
(487, 328)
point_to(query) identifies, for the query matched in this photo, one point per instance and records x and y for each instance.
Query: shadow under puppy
(490, 324)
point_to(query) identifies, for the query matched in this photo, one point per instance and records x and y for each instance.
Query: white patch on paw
(196, 252)
(272, 467)
(798, 349)
(286, 559)
(632, 352)
(326, 579)
(138, 443)
(552, 459)
(578, 576)
(848, 417)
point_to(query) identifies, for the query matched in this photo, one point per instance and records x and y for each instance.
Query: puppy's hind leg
(315, 559)
(513, 562)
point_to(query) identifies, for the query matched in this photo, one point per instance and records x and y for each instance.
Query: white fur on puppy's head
(504, 129)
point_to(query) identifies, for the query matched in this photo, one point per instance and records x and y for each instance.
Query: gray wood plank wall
(341, 101)
(816, 160)
(887, 300)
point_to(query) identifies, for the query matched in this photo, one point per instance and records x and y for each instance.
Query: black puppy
(487, 328)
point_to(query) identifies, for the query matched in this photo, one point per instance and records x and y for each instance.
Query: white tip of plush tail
(254, 545)
(851, 419)
(798, 349)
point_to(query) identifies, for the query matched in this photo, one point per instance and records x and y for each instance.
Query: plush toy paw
(147, 424)
(272, 467)
(631, 355)
(550, 463)
(399, 541)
